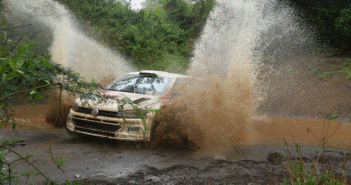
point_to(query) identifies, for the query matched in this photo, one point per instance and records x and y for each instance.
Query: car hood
(134, 100)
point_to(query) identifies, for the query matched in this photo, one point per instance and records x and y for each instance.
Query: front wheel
(73, 135)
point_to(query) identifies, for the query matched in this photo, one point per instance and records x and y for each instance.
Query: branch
(339, 124)
(60, 107)
(29, 163)
(16, 27)
(52, 157)
(20, 159)
(27, 90)
(16, 44)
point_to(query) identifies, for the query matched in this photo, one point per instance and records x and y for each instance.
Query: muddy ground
(98, 161)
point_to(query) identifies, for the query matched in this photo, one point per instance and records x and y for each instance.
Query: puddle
(306, 131)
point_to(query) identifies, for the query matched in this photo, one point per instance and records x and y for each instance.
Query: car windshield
(135, 83)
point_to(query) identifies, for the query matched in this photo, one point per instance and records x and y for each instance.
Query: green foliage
(152, 37)
(333, 116)
(72, 183)
(301, 174)
(346, 70)
(22, 71)
(312, 69)
(292, 71)
(331, 20)
(60, 161)
(325, 75)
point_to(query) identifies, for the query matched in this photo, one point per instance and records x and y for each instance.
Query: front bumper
(114, 128)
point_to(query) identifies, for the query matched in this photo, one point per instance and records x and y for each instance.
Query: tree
(23, 72)
(329, 19)
(148, 3)
(158, 36)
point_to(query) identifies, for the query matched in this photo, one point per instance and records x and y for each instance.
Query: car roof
(161, 73)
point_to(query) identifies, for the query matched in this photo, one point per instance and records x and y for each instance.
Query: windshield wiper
(121, 90)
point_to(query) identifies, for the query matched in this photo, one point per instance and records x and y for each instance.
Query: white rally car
(142, 91)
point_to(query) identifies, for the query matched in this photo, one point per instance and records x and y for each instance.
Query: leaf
(76, 183)
(4, 21)
(38, 96)
(35, 95)
(47, 64)
(13, 126)
(32, 92)
(31, 154)
(60, 162)
(28, 174)
(30, 46)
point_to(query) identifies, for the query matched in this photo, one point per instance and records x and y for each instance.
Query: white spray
(70, 46)
(239, 38)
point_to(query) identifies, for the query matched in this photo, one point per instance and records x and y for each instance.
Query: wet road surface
(98, 161)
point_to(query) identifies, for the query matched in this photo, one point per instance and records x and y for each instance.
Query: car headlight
(75, 106)
(127, 114)
(134, 129)
(140, 113)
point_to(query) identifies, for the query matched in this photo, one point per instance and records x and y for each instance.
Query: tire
(152, 142)
(73, 135)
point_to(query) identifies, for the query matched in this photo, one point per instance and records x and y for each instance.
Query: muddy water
(307, 131)
(32, 117)
(264, 131)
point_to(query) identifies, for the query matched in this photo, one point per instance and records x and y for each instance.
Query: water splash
(70, 46)
(217, 107)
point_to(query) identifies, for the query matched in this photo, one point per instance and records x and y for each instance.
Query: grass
(299, 173)
(344, 69)
(312, 69)
(292, 71)
(325, 75)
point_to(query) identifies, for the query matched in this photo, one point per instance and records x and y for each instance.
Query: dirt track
(98, 161)
(268, 130)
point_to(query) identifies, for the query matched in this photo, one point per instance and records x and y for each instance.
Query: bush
(151, 37)
(331, 20)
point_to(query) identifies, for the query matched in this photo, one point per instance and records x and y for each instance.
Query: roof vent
(147, 74)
